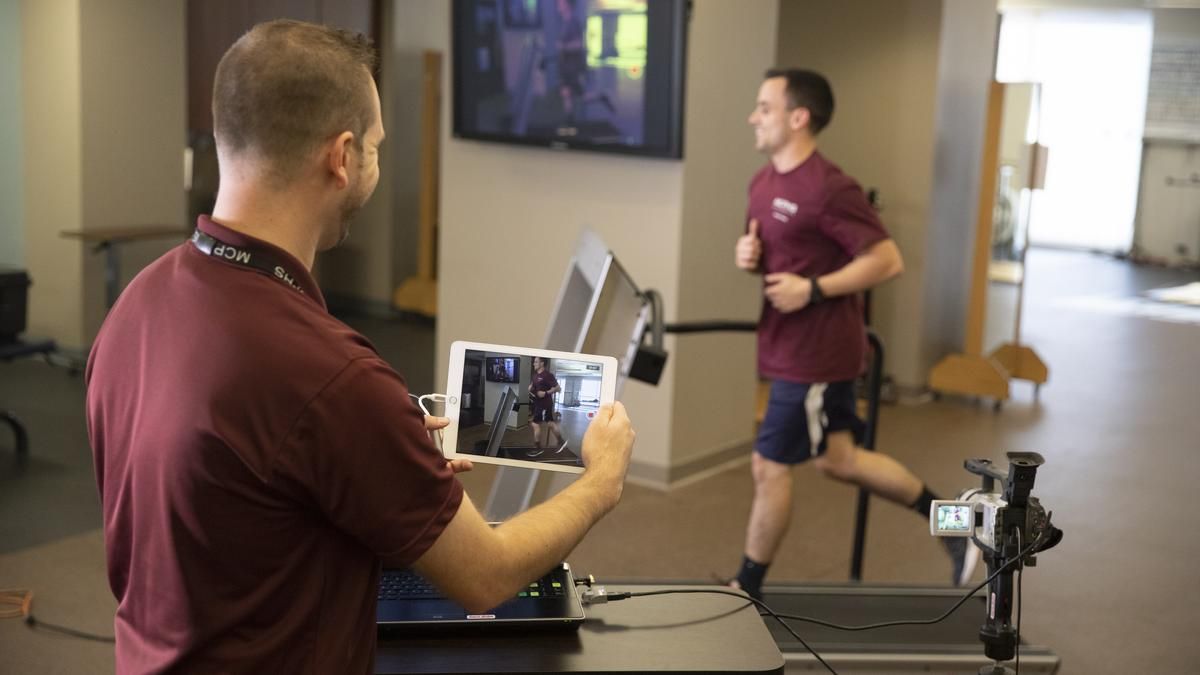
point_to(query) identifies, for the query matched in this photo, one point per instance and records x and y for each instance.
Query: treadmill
(949, 647)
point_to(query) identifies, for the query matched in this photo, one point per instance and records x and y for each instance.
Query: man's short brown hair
(809, 90)
(287, 86)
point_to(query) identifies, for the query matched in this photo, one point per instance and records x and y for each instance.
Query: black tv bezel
(487, 370)
(681, 12)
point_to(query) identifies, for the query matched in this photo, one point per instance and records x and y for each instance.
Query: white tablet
(523, 407)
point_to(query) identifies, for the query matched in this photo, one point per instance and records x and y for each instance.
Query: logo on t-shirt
(782, 209)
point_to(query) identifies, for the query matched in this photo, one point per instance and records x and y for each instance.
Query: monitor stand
(592, 273)
(512, 491)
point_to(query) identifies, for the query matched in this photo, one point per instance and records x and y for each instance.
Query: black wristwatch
(816, 294)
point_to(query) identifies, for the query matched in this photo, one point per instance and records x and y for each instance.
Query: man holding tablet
(255, 457)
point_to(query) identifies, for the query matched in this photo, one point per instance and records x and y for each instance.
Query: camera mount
(1014, 528)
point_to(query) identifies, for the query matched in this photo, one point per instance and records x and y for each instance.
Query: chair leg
(18, 431)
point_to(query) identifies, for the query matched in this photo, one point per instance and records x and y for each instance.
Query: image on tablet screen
(528, 408)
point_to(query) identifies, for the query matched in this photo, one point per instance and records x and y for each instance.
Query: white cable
(440, 398)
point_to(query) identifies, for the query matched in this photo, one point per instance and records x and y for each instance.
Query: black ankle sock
(921, 506)
(750, 576)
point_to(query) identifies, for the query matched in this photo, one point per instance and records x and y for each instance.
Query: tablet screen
(526, 407)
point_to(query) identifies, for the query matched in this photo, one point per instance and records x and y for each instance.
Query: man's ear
(339, 158)
(799, 118)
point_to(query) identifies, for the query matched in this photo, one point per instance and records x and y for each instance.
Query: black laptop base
(549, 604)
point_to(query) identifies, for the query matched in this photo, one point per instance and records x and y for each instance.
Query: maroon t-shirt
(543, 381)
(812, 220)
(255, 459)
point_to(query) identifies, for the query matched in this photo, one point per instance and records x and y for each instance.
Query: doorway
(1093, 67)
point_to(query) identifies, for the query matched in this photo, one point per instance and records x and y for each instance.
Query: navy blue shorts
(799, 416)
(543, 416)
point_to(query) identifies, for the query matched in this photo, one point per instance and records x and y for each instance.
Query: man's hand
(787, 292)
(607, 446)
(461, 465)
(541, 394)
(748, 252)
(433, 424)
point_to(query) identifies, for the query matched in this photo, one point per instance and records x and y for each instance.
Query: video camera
(1009, 527)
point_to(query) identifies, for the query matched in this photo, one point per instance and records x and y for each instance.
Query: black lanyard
(256, 259)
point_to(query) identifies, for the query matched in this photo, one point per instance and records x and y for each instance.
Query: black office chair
(16, 349)
(13, 286)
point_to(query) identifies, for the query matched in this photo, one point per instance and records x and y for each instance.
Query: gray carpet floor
(1117, 424)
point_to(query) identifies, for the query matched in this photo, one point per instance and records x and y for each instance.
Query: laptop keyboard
(408, 585)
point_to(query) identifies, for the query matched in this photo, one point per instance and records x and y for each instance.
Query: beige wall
(106, 106)
(713, 409)
(671, 224)
(1173, 26)
(881, 58)
(52, 113)
(133, 132)
(510, 219)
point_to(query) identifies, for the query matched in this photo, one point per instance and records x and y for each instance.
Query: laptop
(410, 605)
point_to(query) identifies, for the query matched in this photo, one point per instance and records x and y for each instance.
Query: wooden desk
(109, 239)
(694, 633)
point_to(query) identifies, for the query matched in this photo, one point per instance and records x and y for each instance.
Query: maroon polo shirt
(255, 458)
(813, 220)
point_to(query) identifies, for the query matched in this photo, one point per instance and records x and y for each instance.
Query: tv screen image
(503, 369)
(601, 75)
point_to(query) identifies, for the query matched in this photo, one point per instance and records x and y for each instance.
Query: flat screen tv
(604, 75)
(502, 369)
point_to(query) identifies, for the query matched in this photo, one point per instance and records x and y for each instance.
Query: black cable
(740, 596)
(922, 622)
(35, 624)
(1020, 575)
(783, 618)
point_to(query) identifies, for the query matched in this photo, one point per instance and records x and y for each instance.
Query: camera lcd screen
(955, 518)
